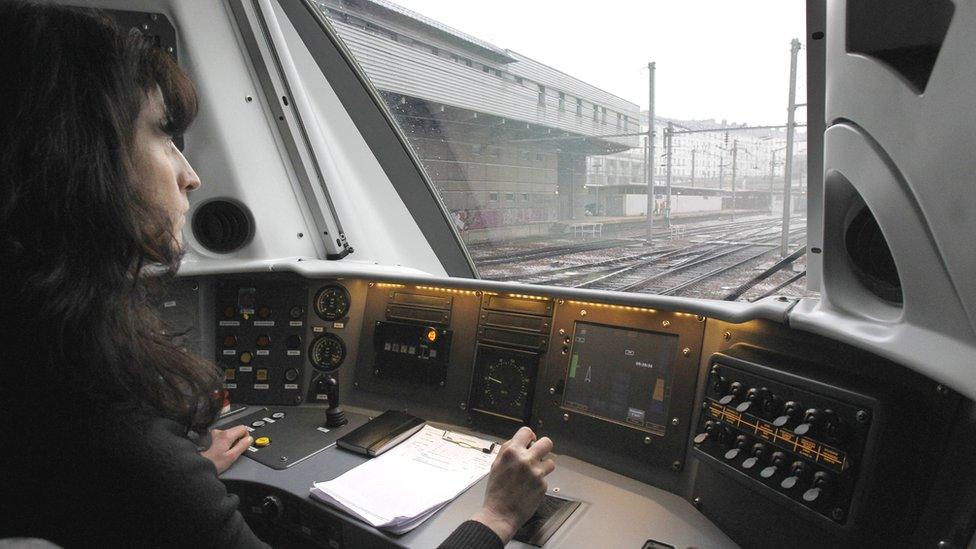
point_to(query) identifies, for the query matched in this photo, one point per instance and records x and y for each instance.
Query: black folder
(382, 433)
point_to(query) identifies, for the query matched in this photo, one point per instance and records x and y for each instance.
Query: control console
(793, 439)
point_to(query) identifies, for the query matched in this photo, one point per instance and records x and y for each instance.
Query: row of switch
(762, 402)
(264, 312)
(263, 374)
(292, 342)
(758, 454)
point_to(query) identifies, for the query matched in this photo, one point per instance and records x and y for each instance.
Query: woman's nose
(189, 180)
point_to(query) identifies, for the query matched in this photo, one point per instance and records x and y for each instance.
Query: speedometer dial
(506, 385)
(331, 302)
(327, 352)
(503, 382)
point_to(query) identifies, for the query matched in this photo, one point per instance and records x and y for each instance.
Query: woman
(100, 406)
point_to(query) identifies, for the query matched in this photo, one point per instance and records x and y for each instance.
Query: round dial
(327, 352)
(506, 386)
(331, 302)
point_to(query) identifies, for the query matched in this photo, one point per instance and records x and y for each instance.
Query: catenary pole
(649, 165)
(788, 164)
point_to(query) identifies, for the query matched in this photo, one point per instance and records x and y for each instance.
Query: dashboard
(657, 415)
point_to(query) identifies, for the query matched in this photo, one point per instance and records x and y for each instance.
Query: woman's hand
(227, 446)
(516, 483)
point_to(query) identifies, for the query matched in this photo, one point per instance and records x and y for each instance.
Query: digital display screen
(621, 375)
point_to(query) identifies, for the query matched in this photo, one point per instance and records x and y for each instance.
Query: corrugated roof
(499, 54)
(395, 67)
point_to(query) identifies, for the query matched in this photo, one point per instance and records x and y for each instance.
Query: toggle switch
(791, 411)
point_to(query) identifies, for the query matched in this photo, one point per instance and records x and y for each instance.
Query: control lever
(758, 453)
(713, 430)
(797, 470)
(811, 418)
(735, 390)
(821, 481)
(334, 416)
(790, 410)
(741, 442)
(775, 462)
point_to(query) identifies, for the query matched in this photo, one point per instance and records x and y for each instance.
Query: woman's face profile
(159, 168)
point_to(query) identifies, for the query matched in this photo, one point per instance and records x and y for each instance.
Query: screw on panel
(376, 372)
(674, 421)
(565, 417)
(355, 385)
(539, 424)
(701, 318)
(943, 544)
(169, 49)
(727, 336)
(666, 323)
(686, 351)
(837, 514)
(582, 312)
(301, 235)
(560, 302)
(647, 440)
(441, 384)
(697, 502)
(145, 27)
(464, 406)
(705, 405)
(862, 416)
(942, 389)
(676, 466)
(194, 287)
(283, 458)
(248, 98)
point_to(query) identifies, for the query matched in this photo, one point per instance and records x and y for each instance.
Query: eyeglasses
(465, 442)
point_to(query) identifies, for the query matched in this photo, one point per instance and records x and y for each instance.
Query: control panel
(793, 439)
(260, 341)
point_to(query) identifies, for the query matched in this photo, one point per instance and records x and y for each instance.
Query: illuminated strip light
(447, 290)
(618, 307)
(390, 285)
(535, 297)
(628, 308)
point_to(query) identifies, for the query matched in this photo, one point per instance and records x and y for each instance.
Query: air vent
(905, 34)
(871, 257)
(222, 226)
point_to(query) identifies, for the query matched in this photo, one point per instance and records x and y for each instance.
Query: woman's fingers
(523, 437)
(546, 466)
(238, 448)
(541, 448)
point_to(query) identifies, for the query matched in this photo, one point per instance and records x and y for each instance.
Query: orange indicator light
(431, 335)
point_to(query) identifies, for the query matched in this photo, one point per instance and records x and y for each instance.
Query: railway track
(707, 261)
(629, 241)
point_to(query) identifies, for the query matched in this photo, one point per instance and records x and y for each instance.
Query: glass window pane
(559, 195)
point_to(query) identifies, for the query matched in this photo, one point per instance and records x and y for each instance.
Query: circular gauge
(331, 302)
(327, 352)
(506, 385)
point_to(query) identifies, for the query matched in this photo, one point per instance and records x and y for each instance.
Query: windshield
(532, 122)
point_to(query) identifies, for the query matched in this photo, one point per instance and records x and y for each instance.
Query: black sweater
(88, 478)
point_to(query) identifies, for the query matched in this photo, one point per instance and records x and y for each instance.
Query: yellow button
(246, 357)
(261, 374)
(261, 442)
(230, 374)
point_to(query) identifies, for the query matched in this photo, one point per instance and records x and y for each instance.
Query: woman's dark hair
(76, 230)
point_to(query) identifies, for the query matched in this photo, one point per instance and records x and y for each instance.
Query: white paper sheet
(400, 489)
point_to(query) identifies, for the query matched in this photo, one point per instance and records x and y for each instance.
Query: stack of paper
(403, 487)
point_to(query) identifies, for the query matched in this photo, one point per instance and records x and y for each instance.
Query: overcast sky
(715, 58)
